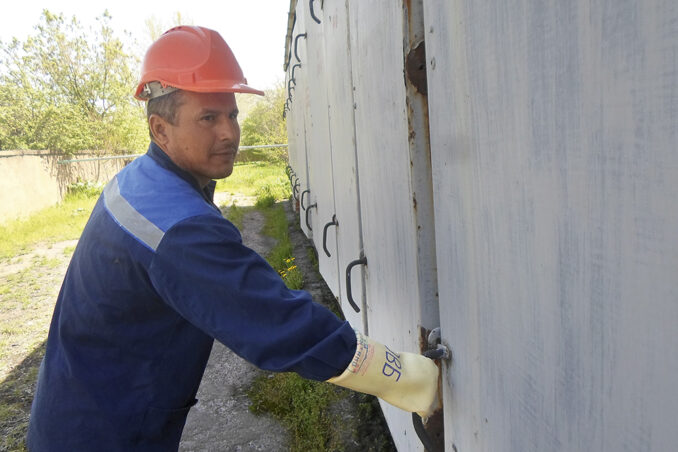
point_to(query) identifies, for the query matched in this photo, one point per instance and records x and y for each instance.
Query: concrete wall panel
(394, 284)
(320, 200)
(347, 238)
(553, 136)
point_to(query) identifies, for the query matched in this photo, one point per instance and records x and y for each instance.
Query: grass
(235, 215)
(301, 405)
(281, 256)
(251, 178)
(64, 221)
(308, 408)
(16, 393)
(27, 301)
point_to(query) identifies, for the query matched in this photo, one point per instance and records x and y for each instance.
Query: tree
(67, 90)
(156, 27)
(264, 123)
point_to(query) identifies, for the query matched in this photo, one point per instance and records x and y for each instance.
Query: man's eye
(208, 118)
(234, 115)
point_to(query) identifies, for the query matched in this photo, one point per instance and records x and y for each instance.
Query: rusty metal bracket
(415, 68)
(436, 351)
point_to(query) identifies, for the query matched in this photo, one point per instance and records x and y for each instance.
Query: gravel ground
(221, 420)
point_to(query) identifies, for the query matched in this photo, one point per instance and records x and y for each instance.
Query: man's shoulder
(157, 195)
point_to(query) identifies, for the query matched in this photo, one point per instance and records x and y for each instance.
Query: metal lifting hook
(310, 6)
(296, 42)
(293, 68)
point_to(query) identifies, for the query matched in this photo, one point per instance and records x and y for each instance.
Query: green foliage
(292, 276)
(313, 257)
(249, 179)
(80, 190)
(264, 125)
(265, 196)
(67, 89)
(301, 405)
(235, 215)
(280, 257)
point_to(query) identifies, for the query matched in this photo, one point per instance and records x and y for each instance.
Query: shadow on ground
(16, 395)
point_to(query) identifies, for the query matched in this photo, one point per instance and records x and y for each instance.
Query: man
(158, 273)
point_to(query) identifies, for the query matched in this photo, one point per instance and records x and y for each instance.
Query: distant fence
(32, 180)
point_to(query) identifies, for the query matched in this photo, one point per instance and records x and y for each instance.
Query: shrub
(84, 190)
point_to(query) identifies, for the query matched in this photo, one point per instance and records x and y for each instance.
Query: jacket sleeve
(204, 272)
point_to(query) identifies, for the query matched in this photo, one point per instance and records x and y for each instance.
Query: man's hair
(164, 106)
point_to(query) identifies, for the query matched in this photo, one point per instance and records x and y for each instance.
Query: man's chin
(223, 174)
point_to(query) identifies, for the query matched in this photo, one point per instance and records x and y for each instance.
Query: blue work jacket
(158, 273)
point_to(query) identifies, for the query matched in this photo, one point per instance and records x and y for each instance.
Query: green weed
(45, 261)
(292, 275)
(265, 197)
(85, 189)
(235, 215)
(273, 155)
(313, 257)
(280, 257)
(301, 405)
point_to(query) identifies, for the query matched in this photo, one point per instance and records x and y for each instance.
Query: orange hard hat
(192, 59)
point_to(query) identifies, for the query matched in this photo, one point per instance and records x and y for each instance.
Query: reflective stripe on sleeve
(129, 218)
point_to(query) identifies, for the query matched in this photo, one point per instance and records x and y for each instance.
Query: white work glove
(406, 380)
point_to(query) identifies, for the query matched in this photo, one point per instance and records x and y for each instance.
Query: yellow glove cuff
(405, 380)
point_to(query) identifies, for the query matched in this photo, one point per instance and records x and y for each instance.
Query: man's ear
(159, 128)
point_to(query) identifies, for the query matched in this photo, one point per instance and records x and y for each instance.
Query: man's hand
(406, 380)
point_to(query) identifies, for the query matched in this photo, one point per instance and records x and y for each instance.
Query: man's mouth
(230, 152)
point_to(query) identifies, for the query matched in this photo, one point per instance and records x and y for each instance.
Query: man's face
(204, 139)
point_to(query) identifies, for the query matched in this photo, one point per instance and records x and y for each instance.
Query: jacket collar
(162, 159)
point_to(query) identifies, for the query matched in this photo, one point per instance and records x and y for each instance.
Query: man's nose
(228, 129)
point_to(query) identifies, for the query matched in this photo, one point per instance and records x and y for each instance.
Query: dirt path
(29, 285)
(221, 420)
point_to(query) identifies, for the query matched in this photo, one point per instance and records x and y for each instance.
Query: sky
(254, 29)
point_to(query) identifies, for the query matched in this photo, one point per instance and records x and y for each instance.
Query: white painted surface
(321, 185)
(389, 225)
(553, 132)
(300, 111)
(346, 237)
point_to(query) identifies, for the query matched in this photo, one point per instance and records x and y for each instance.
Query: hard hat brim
(205, 87)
